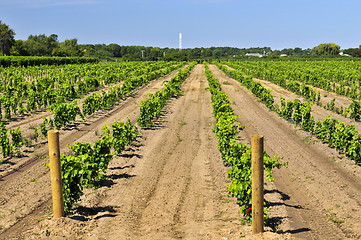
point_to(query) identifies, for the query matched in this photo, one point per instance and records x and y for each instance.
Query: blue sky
(203, 23)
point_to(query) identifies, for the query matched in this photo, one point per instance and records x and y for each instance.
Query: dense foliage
(236, 155)
(88, 163)
(26, 90)
(6, 38)
(327, 49)
(151, 108)
(341, 77)
(11, 140)
(18, 61)
(346, 139)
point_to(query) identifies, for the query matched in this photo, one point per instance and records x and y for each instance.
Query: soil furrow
(28, 185)
(170, 184)
(176, 168)
(318, 112)
(307, 188)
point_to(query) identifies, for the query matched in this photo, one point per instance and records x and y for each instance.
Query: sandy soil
(25, 181)
(320, 193)
(171, 183)
(318, 112)
(326, 97)
(178, 189)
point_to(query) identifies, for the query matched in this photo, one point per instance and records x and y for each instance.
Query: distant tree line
(355, 52)
(36, 45)
(42, 45)
(156, 53)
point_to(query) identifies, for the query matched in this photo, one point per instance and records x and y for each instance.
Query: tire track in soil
(314, 186)
(176, 191)
(26, 187)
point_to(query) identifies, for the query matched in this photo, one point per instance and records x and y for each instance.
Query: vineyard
(159, 149)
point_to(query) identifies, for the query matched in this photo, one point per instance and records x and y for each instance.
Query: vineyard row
(345, 138)
(234, 154)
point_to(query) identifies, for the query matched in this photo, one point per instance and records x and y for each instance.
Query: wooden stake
(257, 184)
(55, 173)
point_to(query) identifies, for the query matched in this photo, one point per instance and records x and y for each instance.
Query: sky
(277, 24)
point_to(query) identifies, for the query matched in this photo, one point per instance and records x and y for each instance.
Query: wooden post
(55, 173)
(257, 184)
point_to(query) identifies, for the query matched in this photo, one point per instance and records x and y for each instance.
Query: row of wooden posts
(257, 179)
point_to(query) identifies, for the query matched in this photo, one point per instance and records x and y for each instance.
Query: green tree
(41, 45)
(68, 48)
(18, 49)
(101, 53)
(6, 38)
(327, 49)
(356, 52)
(115, 49)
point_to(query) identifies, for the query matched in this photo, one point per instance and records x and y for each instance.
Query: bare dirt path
(318, 195)
(171, 184)
(176, 191)
(25, 183)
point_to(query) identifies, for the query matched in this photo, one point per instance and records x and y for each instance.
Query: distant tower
(180, 41)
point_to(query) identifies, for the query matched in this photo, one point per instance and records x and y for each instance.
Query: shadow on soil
(120, 168)
(284, 197)
(109, 182)
(300, 230)
(121, 175)
(17, 118)
(275, 222)
(159, 122)
(72, 126)
(83, 213)
(7, 161)
(35, 145)
(130, 152)
(130, 155)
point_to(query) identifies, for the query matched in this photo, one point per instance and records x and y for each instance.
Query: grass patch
(306, 139)
(182, 123)
(333, 218)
